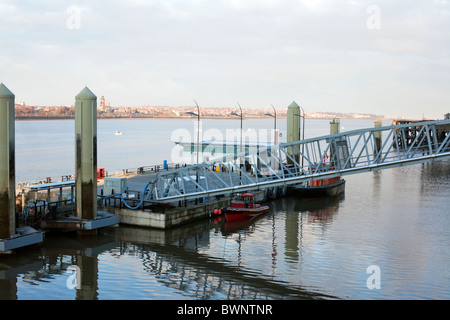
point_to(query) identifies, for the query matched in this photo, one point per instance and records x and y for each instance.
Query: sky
(388, 57)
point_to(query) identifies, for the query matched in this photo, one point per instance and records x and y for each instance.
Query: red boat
(243, 207)
(325, 187)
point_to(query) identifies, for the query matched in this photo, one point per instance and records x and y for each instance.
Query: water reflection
(316, 249)
(203, 260)
(432, 175)
(190, 264)
(42, 264)
(397, 219)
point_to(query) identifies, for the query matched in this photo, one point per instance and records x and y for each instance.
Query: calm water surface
(396, 219)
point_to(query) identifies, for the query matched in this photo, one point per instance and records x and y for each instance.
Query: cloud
(254, 4)
(256, 51)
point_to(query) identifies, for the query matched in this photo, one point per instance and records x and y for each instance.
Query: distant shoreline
(30, 113)
(24, 118)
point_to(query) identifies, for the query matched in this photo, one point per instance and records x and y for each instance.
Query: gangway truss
(297, 162)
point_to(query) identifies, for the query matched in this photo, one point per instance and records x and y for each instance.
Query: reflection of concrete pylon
(7, 163)
(86, 154)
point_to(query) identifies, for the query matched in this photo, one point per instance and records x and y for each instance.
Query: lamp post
(240, 151)
(274, 115)
(198, 126)
(302, 137)
(198, 142)
(235, 114)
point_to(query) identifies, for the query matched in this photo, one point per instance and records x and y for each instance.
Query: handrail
(290, 163)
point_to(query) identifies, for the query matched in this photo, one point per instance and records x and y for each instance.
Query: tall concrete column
(334, 129)
(86, 154)
(7, 164)
(377, 135)
(334, 126)
(293, 129)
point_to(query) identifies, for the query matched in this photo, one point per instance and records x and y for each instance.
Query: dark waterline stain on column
(78, 155)
(94, 156)
(87, 205)
(12, 159)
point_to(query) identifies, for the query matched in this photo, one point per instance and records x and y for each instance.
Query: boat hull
(328, 190)
(236, 214)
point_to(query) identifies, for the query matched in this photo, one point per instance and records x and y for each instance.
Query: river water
(387, 237)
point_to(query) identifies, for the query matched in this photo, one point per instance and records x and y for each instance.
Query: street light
(235, 114)
(239, 115)
(198, 141)
(274, 115)
(198, 126)
(303, 124)
(302, 115)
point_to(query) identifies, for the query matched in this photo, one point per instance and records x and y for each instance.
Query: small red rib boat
(243, 207)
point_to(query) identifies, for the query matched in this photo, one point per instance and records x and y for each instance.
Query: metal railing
(148, 169)
(305, 160)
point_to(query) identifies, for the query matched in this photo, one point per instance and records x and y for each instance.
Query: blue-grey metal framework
(323, 157)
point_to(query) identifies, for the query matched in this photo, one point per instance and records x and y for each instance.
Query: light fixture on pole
(235, 114)
(239, 115)
(274, 115)
(198, 126)
(302, 137)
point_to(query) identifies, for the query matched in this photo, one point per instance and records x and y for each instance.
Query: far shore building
(104, 105)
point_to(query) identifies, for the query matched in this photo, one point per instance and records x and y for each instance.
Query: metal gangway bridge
(297, 162)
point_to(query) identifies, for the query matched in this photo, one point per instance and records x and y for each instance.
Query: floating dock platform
(161, 215)
(52, 208)
(24, 236)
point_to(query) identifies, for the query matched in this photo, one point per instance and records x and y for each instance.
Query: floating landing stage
(103, 219)
(163, 215)
(24, 236)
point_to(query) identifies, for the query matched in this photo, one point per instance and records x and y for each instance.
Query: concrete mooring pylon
(86, 154)
(86, 166)
(293, 129)
(7, 163)
(10, 236)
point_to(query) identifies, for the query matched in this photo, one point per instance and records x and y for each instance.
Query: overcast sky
(384, 57)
